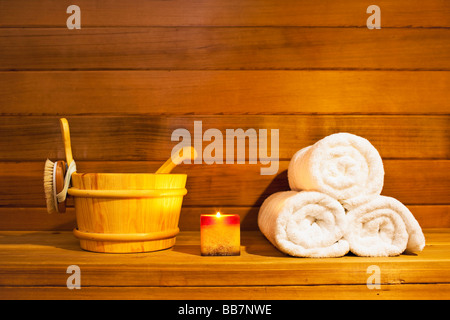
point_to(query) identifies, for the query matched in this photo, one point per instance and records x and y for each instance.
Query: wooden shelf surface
(33, 265)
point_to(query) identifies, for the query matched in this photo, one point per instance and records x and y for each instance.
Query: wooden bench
(34, 265)
(137, 70)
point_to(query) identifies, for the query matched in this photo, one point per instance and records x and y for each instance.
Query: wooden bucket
(123, 213)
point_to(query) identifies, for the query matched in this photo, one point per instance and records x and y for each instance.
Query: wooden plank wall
(137, 70)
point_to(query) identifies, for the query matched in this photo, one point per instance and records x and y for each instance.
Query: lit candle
(220, 234)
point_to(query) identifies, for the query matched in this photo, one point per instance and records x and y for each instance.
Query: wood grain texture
(41, 259)
(37, 219)
(317, 292)
(235, 92)
(216, 48)
(400, 13)
(410, 181)
(138, 70)
(270, 66)
(143, 138)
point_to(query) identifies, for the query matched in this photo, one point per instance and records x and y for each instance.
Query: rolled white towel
(381, 226)
(304, 224)
(341, 165)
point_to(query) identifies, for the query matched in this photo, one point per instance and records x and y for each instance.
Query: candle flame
(218, 214)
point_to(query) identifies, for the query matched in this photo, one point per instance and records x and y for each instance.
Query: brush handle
(66, 137)
(59, 173)
(172, 162)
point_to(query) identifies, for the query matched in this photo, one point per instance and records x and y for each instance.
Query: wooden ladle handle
(176, 159)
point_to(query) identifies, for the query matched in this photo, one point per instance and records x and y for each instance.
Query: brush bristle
(48, 186)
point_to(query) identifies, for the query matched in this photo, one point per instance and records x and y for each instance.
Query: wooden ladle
(172, 162)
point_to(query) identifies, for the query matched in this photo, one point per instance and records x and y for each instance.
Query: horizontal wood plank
(37, 219)
(145, 138)
(223, 92)
(216, 48)
(433, 291)
(42, 258)
(242, 185)
(404, 13)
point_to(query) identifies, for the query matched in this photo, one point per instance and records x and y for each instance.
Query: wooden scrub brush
(57, 175)
(53, 184)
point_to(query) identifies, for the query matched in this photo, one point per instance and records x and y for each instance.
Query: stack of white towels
(335, 205)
